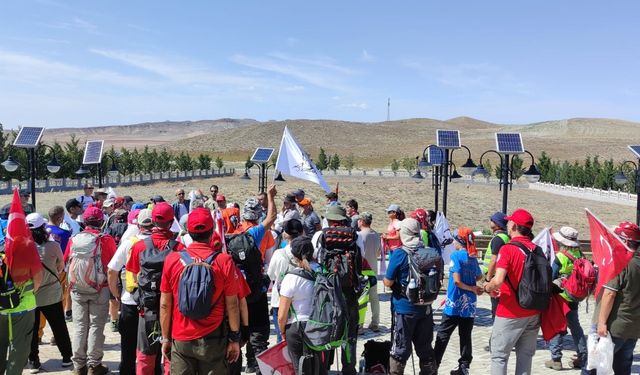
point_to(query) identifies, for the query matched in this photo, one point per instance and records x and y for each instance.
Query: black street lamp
(621, 180)
(262, 175)
(506, 174)
(423, 166)
(11, 165)
(113, 171)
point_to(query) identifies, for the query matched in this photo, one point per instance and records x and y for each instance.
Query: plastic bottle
(413, 290)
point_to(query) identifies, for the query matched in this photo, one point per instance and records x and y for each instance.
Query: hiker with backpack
(523, 283)
(199, 289)
(49, 295)
(128, 318)
(88, 255)
(146, 264)
(281, 263)
(617, 311)
(340, 255)
(498, 226)
(369, 242)
(296, 305)
(414, 274)
(245, 249)
(576, 276)
(460, 306)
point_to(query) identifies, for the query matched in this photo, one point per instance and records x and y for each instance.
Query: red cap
(93, 213)
(162, 212)
(421, 215)
(628, 231)
(118, 202)
(199, 221)
(220, 198)
(521, 217)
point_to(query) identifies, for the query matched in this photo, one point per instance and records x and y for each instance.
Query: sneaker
(575, 363)
(250, 369)
(114, 326)
(34, 367)
(84, 370)
(461, 370)
(374, 327)
(554, 365)
(66, 362)
(98, 370)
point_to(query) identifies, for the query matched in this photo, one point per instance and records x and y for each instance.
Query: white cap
(35, 220)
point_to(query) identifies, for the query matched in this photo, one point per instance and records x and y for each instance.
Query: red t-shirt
(243, 287)
(160, 238)
(23, 261)
(512, 260)
(226, 283)
(107, 245)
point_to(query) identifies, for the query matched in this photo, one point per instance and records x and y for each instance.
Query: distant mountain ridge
(375, 143)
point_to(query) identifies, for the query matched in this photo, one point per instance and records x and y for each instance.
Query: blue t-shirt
(60, 235)
(460, 302)
(398, 271)
(257, 232)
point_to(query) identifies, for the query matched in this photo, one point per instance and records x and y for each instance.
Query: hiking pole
(413, 364)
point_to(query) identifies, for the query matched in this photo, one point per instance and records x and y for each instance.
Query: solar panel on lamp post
(432, 157)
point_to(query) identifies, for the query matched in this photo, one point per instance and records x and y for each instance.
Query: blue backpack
(196, 286)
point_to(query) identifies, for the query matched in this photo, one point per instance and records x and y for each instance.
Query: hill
(370, 143)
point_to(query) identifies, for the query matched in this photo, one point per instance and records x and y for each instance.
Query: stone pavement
(50, 356)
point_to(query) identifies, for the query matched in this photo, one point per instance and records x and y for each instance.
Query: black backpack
(151, 264)
(376, 357)
(116, 230)
(534, 290)
(425, 275)
(327, 327)
(247, 257)
(9, 294)
(196, 286)
(340, 255)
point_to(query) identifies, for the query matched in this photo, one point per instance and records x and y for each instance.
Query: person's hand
(272, 191)
(478, 290)
(166, 350)
(495, 293)
(602, 330)
(233, 352)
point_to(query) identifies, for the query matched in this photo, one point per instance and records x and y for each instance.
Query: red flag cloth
(220, 229)
(276, 360)
(610, 254)
(553, 320)
(21, 251)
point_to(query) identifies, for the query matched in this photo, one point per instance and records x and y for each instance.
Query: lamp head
(620, 179)
(54, 166)
(418, 177)
(480, 170)
(10, 164)
(532, 174)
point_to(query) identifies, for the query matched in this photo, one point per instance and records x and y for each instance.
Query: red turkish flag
(18, 241)
(276, 360)
(609, 253)
(220, 230)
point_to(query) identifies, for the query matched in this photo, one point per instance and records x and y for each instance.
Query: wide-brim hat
(567, 236)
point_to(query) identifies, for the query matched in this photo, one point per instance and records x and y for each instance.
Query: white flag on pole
(545, 240)
(293, 161)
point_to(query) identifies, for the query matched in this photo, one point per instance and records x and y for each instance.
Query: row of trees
(128, 162)
(334, 162)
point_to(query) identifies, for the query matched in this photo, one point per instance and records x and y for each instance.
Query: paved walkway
(50, 356)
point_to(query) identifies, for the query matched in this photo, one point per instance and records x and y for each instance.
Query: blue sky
(86, 63)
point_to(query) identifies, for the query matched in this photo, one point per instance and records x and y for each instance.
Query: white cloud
(76, 24)
(355, 105)
(321, 72)
(294, 88)
(366, 56)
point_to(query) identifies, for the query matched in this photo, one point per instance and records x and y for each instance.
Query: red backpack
(582, 279)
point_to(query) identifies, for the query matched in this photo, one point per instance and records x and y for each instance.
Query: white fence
(612, 196)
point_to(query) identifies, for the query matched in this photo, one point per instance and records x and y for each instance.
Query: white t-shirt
(300, 290)
(120, 259)
(281, 263)
(85, 201)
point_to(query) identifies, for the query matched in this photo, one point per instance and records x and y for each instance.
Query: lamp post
(262, 175)
(423, 166)
(506, 174)
(11, 165)
(620, 179)
(113, 171)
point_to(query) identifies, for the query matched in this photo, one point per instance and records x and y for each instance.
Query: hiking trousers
(520, 333)
(128, 328)
(18, 348)
(448, 324)
(297, 349)
(348, 352)
(55, 316)
(90, 314)
(204, 356)
(577, 333)
(416, 329)
(149, 359)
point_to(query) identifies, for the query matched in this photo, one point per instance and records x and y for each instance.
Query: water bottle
(412, 289)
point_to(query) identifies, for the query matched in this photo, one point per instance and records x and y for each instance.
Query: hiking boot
(461, 370)
(66, 362)
(395, 367)
(374, 327)
(428, 368)
(553, 364)
(114, 326)
(84, 370)
(34, 366)
(576, 363)
(98, 370)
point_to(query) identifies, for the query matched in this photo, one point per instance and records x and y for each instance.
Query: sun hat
(336, 213)
(392, 208)
(366, 217)
(144, 218)
(35, 220)
(162, 213)
(252, 210)
(410, 233)
(499, 219)
(567, 236)
(199, 221)
(108, 203)
(299, 193)
(521, 217)
(290, 198)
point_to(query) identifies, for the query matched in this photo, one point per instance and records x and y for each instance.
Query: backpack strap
(524, 250)
(185, 258)
(307, 275)
(569, 255)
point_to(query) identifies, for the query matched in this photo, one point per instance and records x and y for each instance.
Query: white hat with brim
(567, 236)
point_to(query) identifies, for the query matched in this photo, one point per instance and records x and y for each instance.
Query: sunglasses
(180, 194)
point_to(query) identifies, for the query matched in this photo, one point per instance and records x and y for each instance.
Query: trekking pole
(413, 364)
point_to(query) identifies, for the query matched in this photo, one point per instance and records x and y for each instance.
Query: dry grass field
(468, 206)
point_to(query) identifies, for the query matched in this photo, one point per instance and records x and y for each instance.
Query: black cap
(293, 227)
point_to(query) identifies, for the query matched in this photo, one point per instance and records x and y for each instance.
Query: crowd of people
(191, 284)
